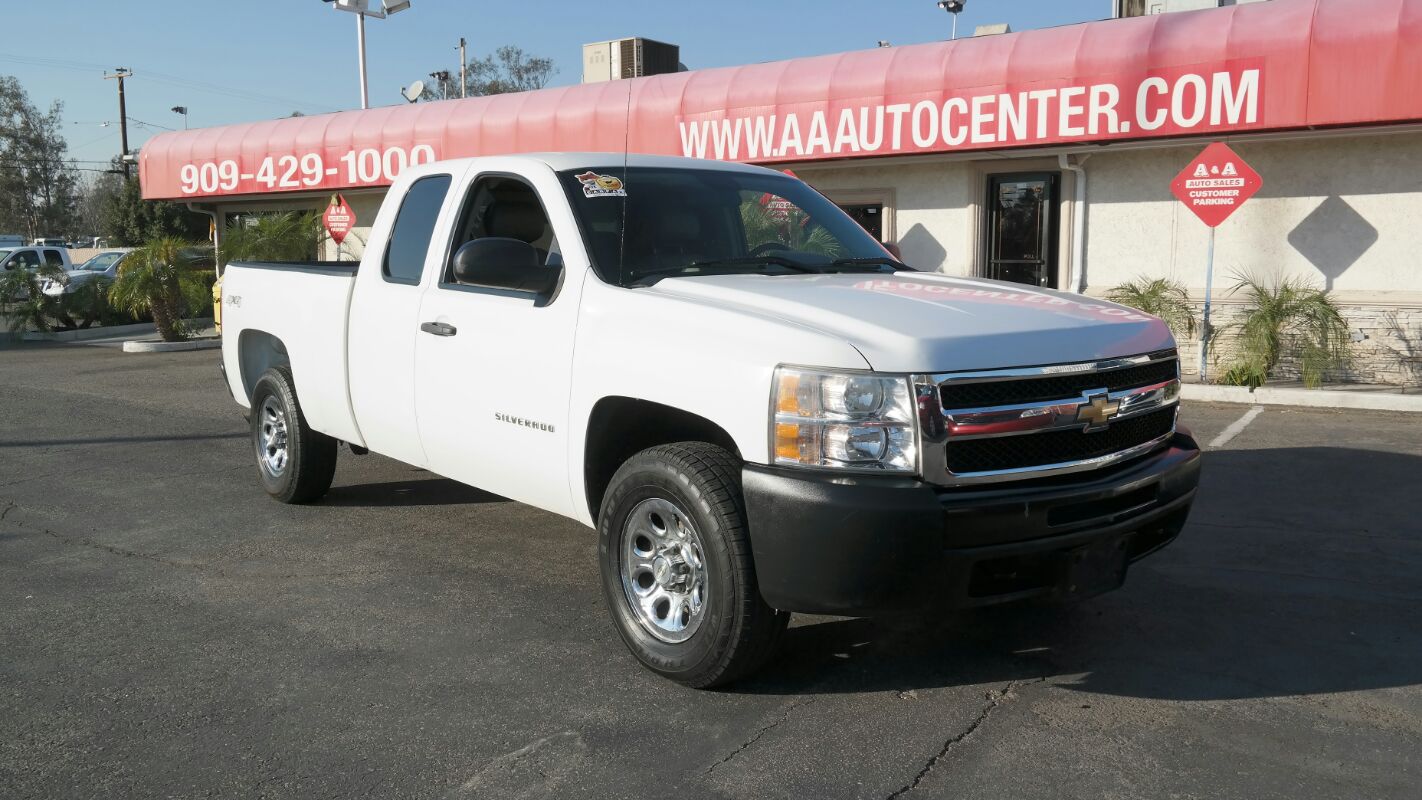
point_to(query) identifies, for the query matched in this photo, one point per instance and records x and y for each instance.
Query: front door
(1021, 235)
(493, 366)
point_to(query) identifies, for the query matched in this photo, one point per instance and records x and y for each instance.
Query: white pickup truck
(759, 409)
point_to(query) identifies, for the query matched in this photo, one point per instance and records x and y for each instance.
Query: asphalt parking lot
(166, 630)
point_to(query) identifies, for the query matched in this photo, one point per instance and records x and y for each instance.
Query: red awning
(1286, 64)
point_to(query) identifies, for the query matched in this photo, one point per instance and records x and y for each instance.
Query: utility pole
(119, 74)
(463, 91)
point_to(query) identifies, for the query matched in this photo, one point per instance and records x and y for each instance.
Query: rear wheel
(676, 566)
(295, 463)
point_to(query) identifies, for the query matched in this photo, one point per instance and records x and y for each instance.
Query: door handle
(438, 328)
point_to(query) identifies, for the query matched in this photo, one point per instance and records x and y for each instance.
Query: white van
(52, 241)
(11, 240)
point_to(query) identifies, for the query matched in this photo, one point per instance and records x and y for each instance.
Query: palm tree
(161, 278)
(1286, 315)
(1159, 297)
(791, 228)
(280, 236)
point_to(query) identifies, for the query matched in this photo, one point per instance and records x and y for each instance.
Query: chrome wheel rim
(272, 449)
(663, 568)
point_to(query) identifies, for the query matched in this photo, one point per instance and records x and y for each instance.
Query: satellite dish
(413, 91)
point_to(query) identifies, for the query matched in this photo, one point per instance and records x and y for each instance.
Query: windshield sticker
(595, 185)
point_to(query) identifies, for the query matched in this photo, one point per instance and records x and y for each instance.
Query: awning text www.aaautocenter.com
(1151, 105)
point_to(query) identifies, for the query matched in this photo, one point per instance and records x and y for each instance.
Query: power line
(162, 77)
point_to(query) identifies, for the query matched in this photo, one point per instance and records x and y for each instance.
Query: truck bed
(295, 312)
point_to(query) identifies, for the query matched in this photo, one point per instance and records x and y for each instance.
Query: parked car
(758, 408)
(8, 240)
(50, 241)
(54, 259)
(32, 258)
(103, 265)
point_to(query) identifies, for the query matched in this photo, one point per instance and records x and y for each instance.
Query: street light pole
(362, 9)
(954, 7)
(360, 47)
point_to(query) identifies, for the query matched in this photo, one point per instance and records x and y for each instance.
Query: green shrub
(1158, 297)
(1285, 317)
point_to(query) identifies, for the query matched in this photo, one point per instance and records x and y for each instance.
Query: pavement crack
(995, 699)
(9, 506)
(784, 715)
(119, 551)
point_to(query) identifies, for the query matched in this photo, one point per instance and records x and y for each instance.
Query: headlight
(843, 420)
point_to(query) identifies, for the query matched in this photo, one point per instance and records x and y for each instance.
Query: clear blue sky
(240, 60)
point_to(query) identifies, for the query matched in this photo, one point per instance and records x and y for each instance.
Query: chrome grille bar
(1091, 412)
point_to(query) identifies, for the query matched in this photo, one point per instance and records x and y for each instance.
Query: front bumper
(857, 546)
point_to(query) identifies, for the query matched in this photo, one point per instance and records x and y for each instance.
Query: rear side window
(414, 228)
(53, 258)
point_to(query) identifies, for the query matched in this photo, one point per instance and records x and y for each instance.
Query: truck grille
(1058, 447)
(1019, 424)
(1055, 387)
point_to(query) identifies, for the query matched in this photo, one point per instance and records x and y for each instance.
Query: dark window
(870, 217)
(53, 258)
(414, 227)
(24, 259)
(505, 207)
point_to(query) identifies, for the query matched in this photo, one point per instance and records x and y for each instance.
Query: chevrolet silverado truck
(758, 408)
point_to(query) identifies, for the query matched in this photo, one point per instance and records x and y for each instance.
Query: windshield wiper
(726, 263)
(887, 261)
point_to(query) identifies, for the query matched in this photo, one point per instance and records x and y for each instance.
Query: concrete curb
(1308, 398)
(139, 346)
(112, 332)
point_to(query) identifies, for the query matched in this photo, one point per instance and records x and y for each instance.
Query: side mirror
(501, 263)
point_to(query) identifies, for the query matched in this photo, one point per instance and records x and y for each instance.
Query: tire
(673, 522)
(295, 463)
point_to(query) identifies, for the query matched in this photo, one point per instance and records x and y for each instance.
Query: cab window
(509, 208)
(23, 259)
(54, 259)
(410, 237)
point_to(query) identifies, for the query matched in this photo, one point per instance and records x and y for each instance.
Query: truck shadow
(1300, 572)
(431, 491)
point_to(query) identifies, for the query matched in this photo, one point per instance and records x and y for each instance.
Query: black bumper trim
(864, 546)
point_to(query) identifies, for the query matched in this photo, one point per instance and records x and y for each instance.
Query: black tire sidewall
(648, 479)
(274, 383)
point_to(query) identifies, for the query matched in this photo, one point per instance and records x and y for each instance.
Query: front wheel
(295, 463)
(676, 566)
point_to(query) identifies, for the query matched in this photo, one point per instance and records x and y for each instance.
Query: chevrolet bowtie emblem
(1097, 412)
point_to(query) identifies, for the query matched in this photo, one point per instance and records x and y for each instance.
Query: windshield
(4, 254)
(101, 262)
(690, 222)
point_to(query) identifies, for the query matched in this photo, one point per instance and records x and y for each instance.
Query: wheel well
(621, 427)
(257, 352)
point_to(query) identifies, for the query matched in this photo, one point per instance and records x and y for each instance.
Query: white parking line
(1236, 426)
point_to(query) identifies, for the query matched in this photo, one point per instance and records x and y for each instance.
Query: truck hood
(929, 322)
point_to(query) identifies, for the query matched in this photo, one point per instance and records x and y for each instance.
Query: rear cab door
(493, 366)
(407, 245)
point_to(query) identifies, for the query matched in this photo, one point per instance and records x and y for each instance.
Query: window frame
(445, 278)
(395, 226)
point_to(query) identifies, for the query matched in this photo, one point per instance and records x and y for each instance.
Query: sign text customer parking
(1215, 184)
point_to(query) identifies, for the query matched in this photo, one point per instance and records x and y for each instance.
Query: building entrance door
(1022, 217)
